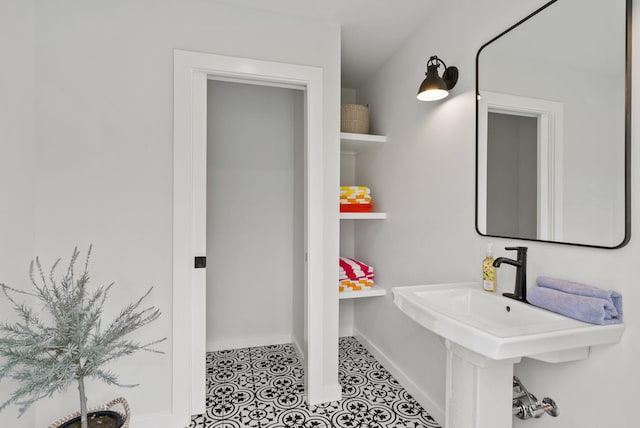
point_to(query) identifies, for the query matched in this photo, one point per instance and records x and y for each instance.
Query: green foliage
(65, 342)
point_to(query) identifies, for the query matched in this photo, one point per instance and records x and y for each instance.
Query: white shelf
(356, 143)
(365, 292)
(363, 216)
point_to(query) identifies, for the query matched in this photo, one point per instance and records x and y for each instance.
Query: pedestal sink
(485, 335)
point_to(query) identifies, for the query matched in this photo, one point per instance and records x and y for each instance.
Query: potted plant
(66, 341)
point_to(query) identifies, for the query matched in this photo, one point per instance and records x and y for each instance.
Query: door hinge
(200, 262)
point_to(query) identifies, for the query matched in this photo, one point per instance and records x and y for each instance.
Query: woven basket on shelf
(109, 406)
(354, 118)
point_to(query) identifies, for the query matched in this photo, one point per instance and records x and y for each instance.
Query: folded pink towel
(354, 269)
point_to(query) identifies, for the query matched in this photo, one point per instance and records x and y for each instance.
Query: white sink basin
(498, 327)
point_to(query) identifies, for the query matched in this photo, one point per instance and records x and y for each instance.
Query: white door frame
(550, 151)
(191, 71)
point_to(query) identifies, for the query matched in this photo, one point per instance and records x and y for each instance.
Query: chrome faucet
(520, 289)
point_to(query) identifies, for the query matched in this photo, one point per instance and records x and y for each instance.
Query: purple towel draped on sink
(579, 301)
(613, 297)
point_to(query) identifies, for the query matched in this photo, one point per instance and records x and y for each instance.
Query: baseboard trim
(420, 395)
(298, 348)
(345, 332)
(248, 342)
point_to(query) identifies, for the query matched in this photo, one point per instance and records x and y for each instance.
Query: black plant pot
(101, 419)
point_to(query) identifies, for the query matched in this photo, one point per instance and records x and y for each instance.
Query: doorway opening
(255, 216)
(520, 167)
(192, 71)
(512, 184)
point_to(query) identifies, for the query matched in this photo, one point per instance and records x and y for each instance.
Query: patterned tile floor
(263, 388)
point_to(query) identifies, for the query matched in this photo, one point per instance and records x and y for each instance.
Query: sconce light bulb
(433, 95)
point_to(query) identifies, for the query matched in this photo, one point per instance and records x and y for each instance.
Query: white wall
(348, 96)
(250, 214)
(104, 150)
(430, 237)
(17, 42)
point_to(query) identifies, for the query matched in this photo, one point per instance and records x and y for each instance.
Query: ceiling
(372, 30)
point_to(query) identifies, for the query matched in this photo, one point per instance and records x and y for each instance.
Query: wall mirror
(553, 126)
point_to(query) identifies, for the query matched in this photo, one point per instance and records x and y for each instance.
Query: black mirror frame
(627, 131)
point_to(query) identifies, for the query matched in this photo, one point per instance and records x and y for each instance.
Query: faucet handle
(522, 252)
(550, 407)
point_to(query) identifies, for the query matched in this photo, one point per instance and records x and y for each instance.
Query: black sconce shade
(434, 87)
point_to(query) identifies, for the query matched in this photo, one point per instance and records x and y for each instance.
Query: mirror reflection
(551, 131)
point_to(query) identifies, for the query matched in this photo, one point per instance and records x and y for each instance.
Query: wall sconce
(434, 87)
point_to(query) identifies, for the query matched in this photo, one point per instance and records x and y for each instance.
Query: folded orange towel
(356, 285)
(356, 201)
(356, 208)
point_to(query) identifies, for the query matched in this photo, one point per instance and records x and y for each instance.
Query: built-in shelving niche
(350, 145)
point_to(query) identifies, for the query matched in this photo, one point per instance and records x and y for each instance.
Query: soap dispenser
(489, 279)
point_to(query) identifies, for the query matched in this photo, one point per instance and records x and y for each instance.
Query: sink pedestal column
(479, 390)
